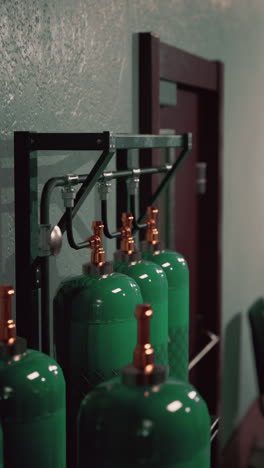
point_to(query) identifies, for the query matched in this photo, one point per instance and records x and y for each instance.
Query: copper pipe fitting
(152, 234)
(127, 244)
(7, 325)
(144, 353)
(98, 253)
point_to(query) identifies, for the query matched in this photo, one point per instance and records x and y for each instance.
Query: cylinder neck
(143, 371)
(127, 244)
(7, 325)
(98, 253)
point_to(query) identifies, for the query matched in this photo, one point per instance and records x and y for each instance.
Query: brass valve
(7, 325)
(144, 353)
(98, 253)
(152, 234)
(127, 242)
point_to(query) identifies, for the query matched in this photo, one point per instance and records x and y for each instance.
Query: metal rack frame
(32, 269)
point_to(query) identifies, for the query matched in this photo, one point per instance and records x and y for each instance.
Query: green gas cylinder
(94, 329)
(143, 419)
(177, 272)
(32, 399)
(153, 285)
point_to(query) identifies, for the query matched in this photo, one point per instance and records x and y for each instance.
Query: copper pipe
(127, 241)
(144, 353)
(96, 244)
(7, 325)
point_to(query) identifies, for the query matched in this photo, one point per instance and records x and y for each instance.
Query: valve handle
(127, 244)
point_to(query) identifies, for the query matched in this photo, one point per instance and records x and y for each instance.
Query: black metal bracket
(29, 265)
(32, 270)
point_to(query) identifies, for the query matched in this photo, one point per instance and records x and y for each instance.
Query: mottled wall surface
(72, 66)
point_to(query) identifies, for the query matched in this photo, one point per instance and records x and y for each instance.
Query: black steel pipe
(107, 233)
(69, 230)
(136, 225)
(51, 184)
(176, 166)
(48, 188)
(130, 172)
(88, 184)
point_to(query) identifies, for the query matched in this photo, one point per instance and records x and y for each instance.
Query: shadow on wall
(245, 447)
(231, 378)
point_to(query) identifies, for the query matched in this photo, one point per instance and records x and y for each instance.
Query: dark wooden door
(196, 217)
(183, 118)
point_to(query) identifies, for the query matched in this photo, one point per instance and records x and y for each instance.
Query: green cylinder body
(95, 332)
(32, 392)
(154, 289)
(177, 272)
(161, 426)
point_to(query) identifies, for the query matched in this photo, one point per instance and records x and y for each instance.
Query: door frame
(160, 61)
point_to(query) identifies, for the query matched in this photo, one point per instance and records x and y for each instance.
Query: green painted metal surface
(154, 289)
(32, 393)
(177, 272)
(95, 332)
(164, 426)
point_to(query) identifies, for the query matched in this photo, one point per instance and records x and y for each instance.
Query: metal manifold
(36, 239)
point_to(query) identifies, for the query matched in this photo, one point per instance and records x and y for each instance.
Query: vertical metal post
(149, 112)
(26, 232)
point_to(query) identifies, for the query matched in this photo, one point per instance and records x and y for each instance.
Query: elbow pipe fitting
(70, 237)
(107, 233)
(136, 225)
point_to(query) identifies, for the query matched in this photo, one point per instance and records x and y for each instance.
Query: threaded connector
(104, 187)
(133, 182)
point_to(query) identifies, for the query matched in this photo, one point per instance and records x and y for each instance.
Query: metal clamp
(133, 182)
(104, 187)
(50, 240)
(201, 180)
(166, 167)
(68, 192)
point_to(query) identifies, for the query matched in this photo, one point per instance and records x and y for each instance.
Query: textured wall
(72, 66)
